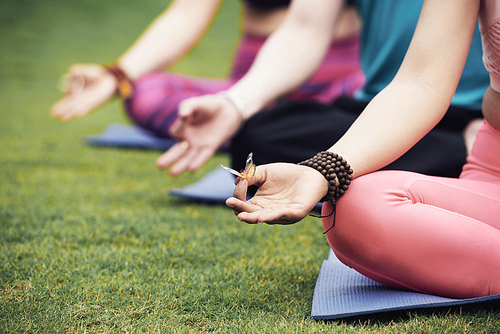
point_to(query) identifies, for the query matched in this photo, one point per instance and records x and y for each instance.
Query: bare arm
(168, 38)
(421, 92)
(291, 54)
(395, 120)
(171, 35)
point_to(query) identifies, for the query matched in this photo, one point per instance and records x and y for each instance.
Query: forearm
(290, 55)
(421, 92)
(171, 35)
(395, 120)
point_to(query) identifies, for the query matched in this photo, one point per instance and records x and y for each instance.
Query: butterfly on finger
(249, 170)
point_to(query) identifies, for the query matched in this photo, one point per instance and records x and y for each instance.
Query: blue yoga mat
(128, 136)
(215, 187)
(342, 292)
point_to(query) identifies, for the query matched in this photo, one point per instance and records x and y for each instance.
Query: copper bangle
(124, 86)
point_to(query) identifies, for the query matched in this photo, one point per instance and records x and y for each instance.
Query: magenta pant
(434, 235)
(157, 95)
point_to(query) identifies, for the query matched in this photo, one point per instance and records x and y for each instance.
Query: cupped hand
(286, 194)
(86, 87)
(205, 123)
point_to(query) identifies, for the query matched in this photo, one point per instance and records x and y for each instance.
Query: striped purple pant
(157, 95)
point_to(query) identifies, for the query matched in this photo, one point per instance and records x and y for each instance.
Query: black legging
(294, 131)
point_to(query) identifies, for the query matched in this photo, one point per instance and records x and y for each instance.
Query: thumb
(176, 129)
(240, 191)
(188, 107)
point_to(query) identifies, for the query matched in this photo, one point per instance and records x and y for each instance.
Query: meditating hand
(286, 194)
(86, 87)
(205, 123)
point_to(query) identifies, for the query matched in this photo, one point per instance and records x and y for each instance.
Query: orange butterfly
(249, 170)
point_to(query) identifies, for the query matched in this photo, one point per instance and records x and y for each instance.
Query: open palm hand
(286, 194)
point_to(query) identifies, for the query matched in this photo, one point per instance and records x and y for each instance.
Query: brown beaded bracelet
(333, 167)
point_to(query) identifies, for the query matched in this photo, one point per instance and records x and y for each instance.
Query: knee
(363, 215)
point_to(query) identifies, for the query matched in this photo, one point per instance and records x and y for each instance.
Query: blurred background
(39, 40)
(90, 240)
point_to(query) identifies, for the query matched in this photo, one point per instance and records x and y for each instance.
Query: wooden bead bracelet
(335, 169)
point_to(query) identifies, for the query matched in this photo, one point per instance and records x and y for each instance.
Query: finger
(70, 107)
(62, 83)
(92, 70)
(187, 108)
(64, 109)
(253, 213)
(178, 158)
(245, 216)
(240, 191)
(57, 108)
(241, 205)
(259, 177)
(176, 128)
(236, 213)
(183, 120)
(73, 83)
(268, 216)
(78, 68)
(276, 216)
(198, 160)
(182, 164)
(197, 110)
(251, 217)
(170, 156)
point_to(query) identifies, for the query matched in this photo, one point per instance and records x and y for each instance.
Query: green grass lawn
(90, 240)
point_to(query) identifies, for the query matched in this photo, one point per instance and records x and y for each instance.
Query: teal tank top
(387, 29)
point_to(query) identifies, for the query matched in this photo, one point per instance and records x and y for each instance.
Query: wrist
(124, 85)
(253, 99)
(238, 103)
(336, 171)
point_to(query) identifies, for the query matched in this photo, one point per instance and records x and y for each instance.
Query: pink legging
(157, 95)
(434, 235)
